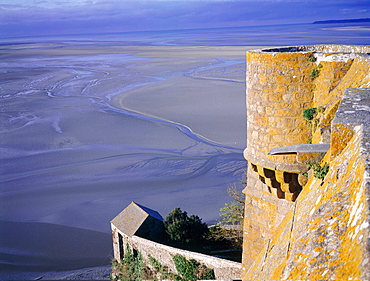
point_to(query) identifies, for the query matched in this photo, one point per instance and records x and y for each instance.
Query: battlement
(282, 84)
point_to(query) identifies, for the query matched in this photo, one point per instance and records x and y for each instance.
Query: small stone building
(135, 220)
(143, 230)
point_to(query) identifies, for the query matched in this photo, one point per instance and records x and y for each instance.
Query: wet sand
(87, 129)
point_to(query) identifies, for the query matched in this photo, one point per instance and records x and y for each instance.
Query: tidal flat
(88, 128)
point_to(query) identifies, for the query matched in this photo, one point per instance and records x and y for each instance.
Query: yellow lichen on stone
(324, 233)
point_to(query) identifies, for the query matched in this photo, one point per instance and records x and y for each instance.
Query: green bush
(192, 269)
(184, 229)
(131, 267)
(134, 264)
(309, 113)
(156, 264)
(314, 73)
(311, 58)
(162, 270)
(319, 172)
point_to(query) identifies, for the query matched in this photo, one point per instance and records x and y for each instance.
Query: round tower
(281, 83)
(279, 88)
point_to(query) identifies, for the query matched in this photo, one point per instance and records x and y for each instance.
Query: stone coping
(324, 48)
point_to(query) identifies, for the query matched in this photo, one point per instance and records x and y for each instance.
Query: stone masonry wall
(223, 269)
(279, 88)
(325, 235)
(263, 214)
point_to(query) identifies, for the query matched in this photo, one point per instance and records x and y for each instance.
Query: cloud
(93, 16)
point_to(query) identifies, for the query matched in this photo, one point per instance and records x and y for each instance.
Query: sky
(53, 17)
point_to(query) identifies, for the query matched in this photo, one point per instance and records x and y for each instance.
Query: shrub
(163, 271)
(156, 264)
(309, 113)
(184, 229)
(192, 269)
(131, 267)
(314, 73)
(205, 273)
(319, 172)
(311, 58)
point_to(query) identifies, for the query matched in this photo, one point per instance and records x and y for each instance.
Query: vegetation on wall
(311, 58)
(319, 171)
(312, 120)
(316, 71)
(309, 113)
(162, 272)
(131, 267)
(192, 269)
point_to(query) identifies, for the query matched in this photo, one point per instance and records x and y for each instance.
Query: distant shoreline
(269, 35)
(343, 21)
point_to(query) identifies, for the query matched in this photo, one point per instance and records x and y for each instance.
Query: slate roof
(150, 212)
(132, 217)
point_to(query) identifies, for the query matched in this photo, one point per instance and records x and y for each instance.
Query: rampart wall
(298, 227)
(223, 269)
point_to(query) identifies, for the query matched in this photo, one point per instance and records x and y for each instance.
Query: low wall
(223, 269)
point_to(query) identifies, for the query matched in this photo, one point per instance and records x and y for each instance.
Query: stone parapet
(322, 48)
(223, 269)
(354, 110)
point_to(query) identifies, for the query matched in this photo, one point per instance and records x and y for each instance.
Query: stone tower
(281, 84)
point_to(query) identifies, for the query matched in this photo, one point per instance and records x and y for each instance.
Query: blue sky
(51, 17)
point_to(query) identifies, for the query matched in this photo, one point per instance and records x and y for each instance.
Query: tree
(233, 213)
(184, 229)
(232, 218)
